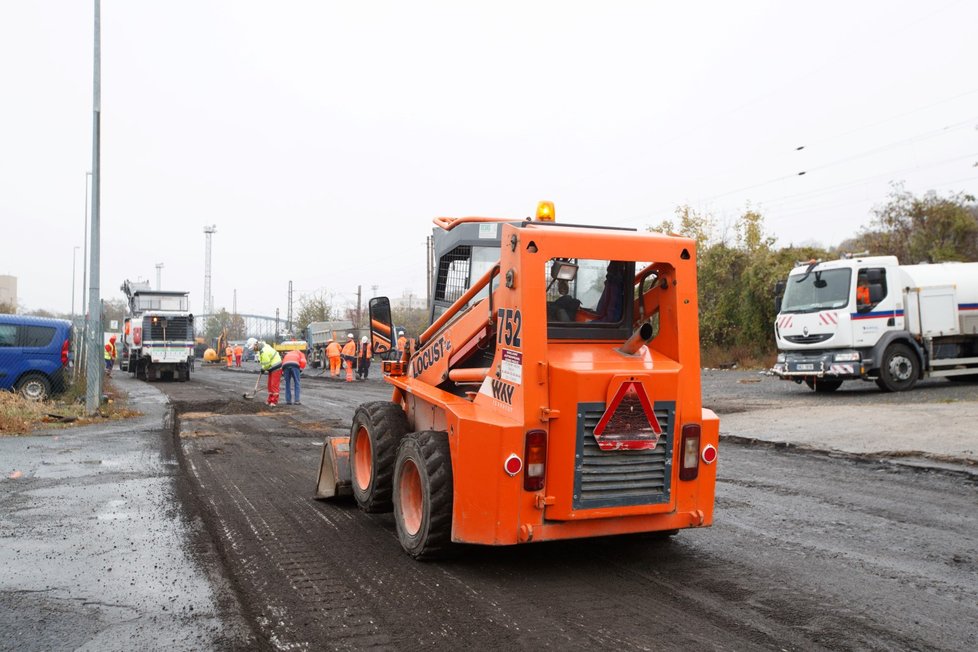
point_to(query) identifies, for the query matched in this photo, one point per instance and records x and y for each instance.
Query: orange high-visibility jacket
(295, 357)
(333, 350)
(350, 349)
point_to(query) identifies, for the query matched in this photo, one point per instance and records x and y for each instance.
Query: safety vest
(269, 358)
(108, 352)
(333, 350)
(295, 358)
(350, 348)
(238, 351)
(401, 343)
(862, 294)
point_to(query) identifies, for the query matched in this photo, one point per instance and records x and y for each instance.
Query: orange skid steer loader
(555, 395)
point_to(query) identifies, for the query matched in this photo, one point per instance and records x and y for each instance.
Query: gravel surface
(809, 550)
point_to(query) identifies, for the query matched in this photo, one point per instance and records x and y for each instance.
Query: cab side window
(870, 288)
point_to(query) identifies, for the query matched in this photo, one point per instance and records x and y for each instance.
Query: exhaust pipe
(638, 339)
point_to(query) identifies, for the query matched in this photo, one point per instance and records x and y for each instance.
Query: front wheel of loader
(423, 495)
(378, 428)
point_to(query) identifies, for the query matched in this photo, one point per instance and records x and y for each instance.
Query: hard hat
(349, 336)
(363, 339)
(112, 339)
(251, 343)
(400, 331)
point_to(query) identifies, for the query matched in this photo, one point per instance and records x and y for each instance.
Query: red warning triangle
(629, 423)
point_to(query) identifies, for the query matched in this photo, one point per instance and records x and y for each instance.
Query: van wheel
(423, 495)
(34, 387)
(378, 428)
(823, 385)
(899, 369)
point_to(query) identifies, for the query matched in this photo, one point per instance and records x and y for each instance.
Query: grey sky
(322, 137)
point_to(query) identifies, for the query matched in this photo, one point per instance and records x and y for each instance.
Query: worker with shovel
(271, 363)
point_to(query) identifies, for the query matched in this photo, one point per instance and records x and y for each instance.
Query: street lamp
(74, 253)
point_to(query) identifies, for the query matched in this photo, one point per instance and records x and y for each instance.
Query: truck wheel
(823, 385)
(423, 495)
(34, 387)
(378, 428)
(899, 369)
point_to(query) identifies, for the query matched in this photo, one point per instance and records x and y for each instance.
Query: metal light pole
(74, 266)
(93, 325)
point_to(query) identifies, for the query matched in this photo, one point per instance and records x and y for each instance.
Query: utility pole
(288, 325)
(159, 266)
(234, 306)
(93, 329)
(209, 231)
(358, 307)
(275, 337)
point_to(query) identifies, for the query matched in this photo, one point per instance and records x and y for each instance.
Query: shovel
(250, 396)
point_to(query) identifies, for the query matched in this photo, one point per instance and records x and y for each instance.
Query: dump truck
(319, 333)
(555, 395)
(158, 333)
(870, 318)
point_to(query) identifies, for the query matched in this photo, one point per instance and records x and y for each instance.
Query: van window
(36, 336)
(8, 335)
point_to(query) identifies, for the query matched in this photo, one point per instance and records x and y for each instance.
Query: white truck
(158, 333)
(871, 318)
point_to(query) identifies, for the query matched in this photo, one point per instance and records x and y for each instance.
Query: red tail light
(690, 463)
(535, 455)
(137, 335)
(64, 352)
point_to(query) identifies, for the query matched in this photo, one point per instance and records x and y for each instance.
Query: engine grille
(177, 328)
(619, 478)
(808, 339)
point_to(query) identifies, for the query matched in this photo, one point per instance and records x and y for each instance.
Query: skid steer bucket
(334, 469)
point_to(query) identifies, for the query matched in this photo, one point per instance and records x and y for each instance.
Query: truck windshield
(818, 290)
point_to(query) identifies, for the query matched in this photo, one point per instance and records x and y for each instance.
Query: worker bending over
(271, 363)
(292, 365)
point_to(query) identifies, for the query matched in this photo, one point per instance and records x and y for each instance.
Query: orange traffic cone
(349, 371)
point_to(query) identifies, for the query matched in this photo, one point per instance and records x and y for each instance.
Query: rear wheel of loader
(378, 428)
(423, 495)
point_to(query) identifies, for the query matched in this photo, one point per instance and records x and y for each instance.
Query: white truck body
(920, 320)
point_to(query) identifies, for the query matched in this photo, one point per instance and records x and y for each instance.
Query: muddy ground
(808, 550)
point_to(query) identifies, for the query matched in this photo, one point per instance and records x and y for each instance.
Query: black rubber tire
(384, 424)
(34, 387)
(430, 454)
(823, 385)
(899, 369)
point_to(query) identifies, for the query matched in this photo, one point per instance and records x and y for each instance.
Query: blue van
(34, 354)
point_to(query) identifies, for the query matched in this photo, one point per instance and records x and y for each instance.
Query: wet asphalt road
(808, 551)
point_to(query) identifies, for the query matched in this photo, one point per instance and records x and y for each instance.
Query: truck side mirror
(381, 325)
(779, 295)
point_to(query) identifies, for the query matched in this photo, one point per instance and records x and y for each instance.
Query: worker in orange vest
(334, 354)
(862, 293)
(349, 356)
(229, 354)
(238, 354)
(292, 365)
(363, 358)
